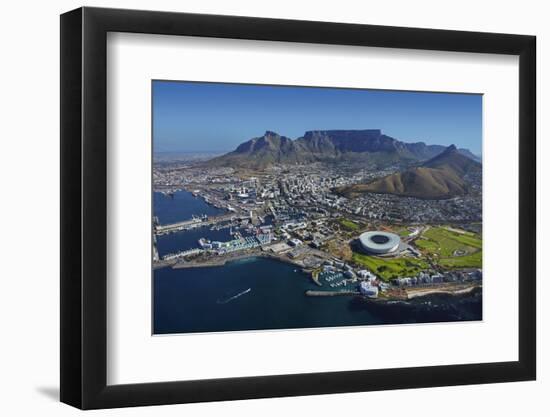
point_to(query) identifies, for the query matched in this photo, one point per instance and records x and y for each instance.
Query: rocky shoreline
(394, 294)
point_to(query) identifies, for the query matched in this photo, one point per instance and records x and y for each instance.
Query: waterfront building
(368, 290)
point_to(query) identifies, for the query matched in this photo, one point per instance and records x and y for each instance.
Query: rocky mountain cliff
(371, 147)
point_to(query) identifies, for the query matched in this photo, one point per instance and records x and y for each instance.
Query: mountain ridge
(368, 145)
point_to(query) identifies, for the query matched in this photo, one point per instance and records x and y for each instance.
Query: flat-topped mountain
(440, 177)
(369, 146)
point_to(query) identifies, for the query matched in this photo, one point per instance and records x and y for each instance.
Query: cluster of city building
(311, 190)
(438, 278)
(392, 208)
(339, 274)
(290, 212)
(238, 244)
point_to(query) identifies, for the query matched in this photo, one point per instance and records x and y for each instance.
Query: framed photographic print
(258, 207)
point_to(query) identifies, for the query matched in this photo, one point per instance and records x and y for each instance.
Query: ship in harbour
(234, 297)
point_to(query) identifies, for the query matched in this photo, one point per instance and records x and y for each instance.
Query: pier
(182, 254)
(313, 293)
(193, 223)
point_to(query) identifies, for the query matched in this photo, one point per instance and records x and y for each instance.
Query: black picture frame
(84, 207)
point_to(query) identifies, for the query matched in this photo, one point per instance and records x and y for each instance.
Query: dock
(313, 293)
(194, 223)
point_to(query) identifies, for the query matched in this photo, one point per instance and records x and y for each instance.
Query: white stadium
(379, 242)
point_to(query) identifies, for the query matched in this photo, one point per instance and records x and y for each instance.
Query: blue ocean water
(181, 206)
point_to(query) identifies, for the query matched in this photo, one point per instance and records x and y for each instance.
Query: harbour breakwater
(313, 293)
(223, 260)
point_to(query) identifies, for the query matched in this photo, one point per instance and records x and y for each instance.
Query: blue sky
(198, 117)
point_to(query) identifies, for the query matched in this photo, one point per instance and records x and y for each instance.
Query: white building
(295, 242)
(379, 242)
(368, 290)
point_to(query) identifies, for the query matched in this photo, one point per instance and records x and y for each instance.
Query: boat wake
(227, 300)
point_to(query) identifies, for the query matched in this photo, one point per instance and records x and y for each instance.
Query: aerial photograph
(291, 207)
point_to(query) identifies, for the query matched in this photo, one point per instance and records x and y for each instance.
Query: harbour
(280, 291)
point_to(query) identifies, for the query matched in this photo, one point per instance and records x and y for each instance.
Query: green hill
(439, 178)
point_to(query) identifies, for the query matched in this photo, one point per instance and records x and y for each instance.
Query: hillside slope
(440, 177)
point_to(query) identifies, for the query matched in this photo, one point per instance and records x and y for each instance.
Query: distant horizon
(217, 117)
(293, 139)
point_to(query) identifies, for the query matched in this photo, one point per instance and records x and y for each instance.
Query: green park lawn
(442, 244)
(349, 225)
(389, 268)
(437, 243)
(403, 231)
(473, 260)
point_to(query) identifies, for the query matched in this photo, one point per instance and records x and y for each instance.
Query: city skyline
(217, 117)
